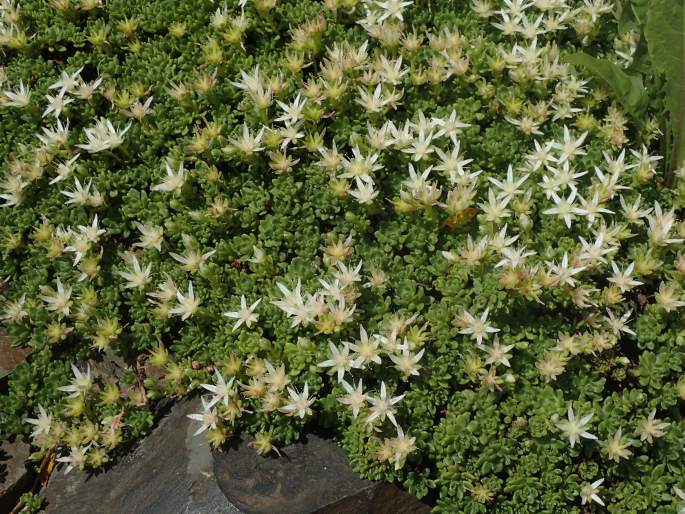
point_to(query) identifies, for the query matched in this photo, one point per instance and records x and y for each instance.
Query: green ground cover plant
(446, 233)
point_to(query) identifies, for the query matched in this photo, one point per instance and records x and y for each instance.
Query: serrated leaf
(665, 35)
(628, 89)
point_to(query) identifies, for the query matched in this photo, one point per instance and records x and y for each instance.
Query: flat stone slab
(170, 472)
(14, 477)
(174, 472)
(312, 476)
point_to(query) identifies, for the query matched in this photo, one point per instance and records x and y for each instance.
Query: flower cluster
(413, 224)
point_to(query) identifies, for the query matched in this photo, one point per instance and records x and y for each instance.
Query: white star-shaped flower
(187, 304)
(42, 423)
(589, 493)
(245, 314)
(574, 428)
(478, 328)
(173, 182)
(300, 403)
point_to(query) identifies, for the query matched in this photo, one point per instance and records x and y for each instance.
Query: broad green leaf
(625, 15)
(626, 21)
(639, 8)
(628, 88)
(665, 34)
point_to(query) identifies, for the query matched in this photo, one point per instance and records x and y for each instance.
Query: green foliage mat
(446, 233)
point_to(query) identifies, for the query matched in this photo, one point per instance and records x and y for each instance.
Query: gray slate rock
(174, 472)
(313, 476)
(170, 472)
(14, 477)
